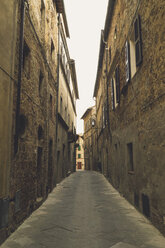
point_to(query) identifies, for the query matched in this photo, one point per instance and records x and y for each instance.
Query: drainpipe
(108, 117)
(21, 41)
(58, 69)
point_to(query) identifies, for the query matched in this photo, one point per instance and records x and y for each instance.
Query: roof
(61, 9)
(101, 53)
(74, 76)
(86, 112)
(104, 36)
(108, 18)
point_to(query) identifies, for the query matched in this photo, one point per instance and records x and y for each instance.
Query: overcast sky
(85, 19)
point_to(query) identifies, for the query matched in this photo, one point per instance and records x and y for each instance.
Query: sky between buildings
(85, 19)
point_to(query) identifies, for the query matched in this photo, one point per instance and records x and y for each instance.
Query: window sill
(131, 172)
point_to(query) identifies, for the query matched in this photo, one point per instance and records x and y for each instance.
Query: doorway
(79, 165)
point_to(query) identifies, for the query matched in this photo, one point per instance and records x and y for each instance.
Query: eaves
(61, 9)
(103, 40)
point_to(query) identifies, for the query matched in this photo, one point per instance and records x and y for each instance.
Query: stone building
(67, 96)
(7, 51)
(130, 102)
(80, 163)
(31, 79)
(89, 138)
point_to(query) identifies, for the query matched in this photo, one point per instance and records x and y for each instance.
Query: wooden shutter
(117, 79)
(109, 55)
(105, 112)
(138, 41)
(103, 120)
(112, 94)
(104, 115)
(127, 61)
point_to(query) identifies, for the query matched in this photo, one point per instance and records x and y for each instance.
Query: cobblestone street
(85, 211)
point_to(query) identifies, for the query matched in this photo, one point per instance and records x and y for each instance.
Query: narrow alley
(82, 124)
(85, 211)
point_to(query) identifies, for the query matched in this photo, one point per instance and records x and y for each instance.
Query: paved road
(85, 211)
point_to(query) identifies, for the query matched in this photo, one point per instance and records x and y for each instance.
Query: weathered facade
(80, 163)
(89, 138)
(130, 101)
(7, 52)
(67, 96)
(31, 79)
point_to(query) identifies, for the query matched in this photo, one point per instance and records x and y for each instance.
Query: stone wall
(136, 136)
(8, 10)
(33, 165)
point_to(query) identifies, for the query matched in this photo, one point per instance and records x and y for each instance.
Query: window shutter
(103, 120)
(138, 41)
(112, 94)
(127, 61)
(109, 55)
(105, 112)
(117, 79)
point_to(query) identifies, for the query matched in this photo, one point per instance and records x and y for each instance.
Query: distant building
(67, 96)
(80, 162)
(89, 138)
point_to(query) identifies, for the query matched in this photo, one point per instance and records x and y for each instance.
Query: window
(50, 162)
(109, 55)
(104, 114)
(127, 61)
(115, 89)
(136, 199)
(79, 155)
(40, 132)
(62, 51)
(65, 113)
(41, 77)
(115, 33)
(61, 105)
(117, 82)
(42, 16)
(58, 157)
(138, 43)
(39, 171)
(130, 157)
(50, 105)
(52, 51)
(68, 74)
(146, 205)
(63, 60)
(23, 122)
(112, 95)
(79, 148)
(63, 150)
(134, 50)
(26, 59)
(68, 119)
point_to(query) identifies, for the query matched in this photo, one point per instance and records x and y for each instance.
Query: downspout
(21, 41)
(108, 117)
(58, 69)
